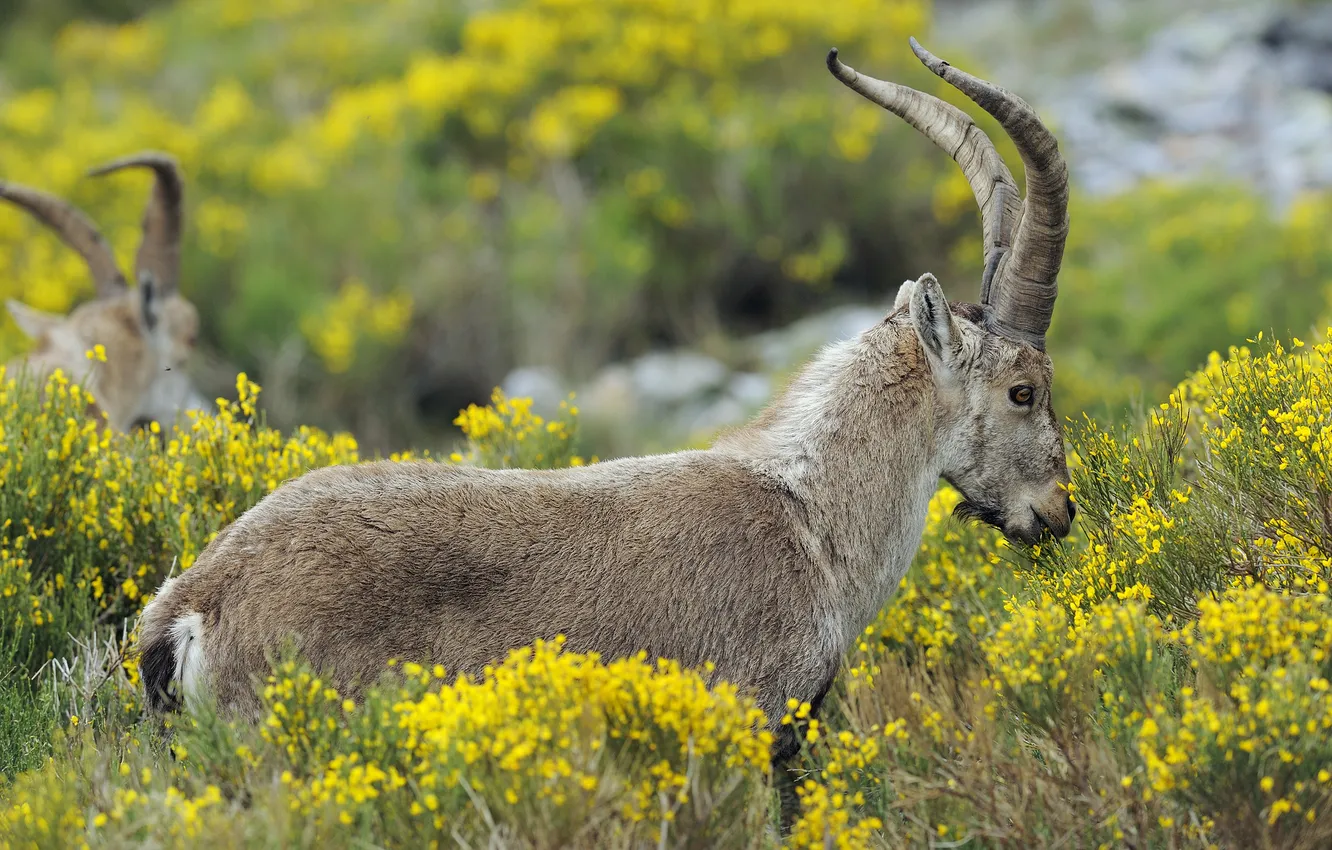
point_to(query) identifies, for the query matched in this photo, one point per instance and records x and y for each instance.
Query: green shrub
(1159, 276)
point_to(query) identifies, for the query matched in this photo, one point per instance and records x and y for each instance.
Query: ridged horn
(159, 248)
(957, 134)
(1023, 292)
(75, 229)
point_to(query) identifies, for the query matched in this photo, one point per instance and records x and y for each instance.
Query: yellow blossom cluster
(1255, 722)
(507, 434)
(1273, 412)
(828, 808)
(353, 313)
(1055, 668)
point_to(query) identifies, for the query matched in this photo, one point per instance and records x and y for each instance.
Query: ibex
(148, 332)
(766, 554)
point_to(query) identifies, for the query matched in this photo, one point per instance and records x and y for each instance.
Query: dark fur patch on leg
(817, 702)
(784, 777)
(785, 749)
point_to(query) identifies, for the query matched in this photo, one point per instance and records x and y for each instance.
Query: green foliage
(1157, 277)
(374, 183)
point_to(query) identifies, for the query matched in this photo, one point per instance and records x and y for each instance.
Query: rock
(610, 395)
(1239, 90)
(538, 383)
(670, 378)
(743, 396)
(783, 349)
(750, 389)
(1302, 38)
(707, 420)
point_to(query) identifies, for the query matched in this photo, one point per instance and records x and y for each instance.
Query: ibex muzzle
(148, 332)
(766, 554)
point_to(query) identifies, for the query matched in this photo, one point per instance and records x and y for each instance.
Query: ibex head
(148, 331)
(1002, 446)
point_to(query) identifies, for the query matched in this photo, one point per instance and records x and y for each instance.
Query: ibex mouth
(1056, 530)
(1040, 521)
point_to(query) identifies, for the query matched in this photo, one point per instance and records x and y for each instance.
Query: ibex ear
(150, 303)
(34, 323)
(904, 295)
(934, 321)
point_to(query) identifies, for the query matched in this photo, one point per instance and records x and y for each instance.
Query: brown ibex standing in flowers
(148, 332)
(766, 554)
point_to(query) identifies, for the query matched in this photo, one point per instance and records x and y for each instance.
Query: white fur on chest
(842, 624)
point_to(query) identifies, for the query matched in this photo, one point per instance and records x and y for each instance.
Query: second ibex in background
(148, 331)
(766, 554)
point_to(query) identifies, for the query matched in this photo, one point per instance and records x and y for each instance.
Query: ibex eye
(1021, 395)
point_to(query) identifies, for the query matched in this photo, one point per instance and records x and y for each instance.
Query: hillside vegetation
(1160, 680)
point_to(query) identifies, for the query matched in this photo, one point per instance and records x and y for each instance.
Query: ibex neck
(853, 439)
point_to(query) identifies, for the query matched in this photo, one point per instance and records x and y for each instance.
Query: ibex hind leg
(786, 769)
(786, 777)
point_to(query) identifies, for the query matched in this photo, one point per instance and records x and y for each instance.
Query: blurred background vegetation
(392, 204)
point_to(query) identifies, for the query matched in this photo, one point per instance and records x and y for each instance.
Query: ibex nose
(1072, 509)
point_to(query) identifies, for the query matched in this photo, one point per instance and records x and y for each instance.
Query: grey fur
(765, 554)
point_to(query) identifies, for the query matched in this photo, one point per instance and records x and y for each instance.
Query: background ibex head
(1003, 445)
(148, 331)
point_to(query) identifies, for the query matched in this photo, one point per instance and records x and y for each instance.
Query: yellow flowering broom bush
(1160, 680)
(94, 520)
(548, 748)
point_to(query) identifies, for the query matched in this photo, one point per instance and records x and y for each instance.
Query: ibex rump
(148, 332)
(765, 554)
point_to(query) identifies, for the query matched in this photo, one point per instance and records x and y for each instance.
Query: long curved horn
(159, 249)
(952, 130)
(75, 229)
(1025, 286)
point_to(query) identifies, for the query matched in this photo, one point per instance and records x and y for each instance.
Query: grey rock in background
(1232, 90)
(539, 383)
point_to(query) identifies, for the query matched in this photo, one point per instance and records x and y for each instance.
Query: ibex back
(765, 554)
(147, 332)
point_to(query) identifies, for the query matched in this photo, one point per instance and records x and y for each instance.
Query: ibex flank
(148, 332)
(766, 554)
